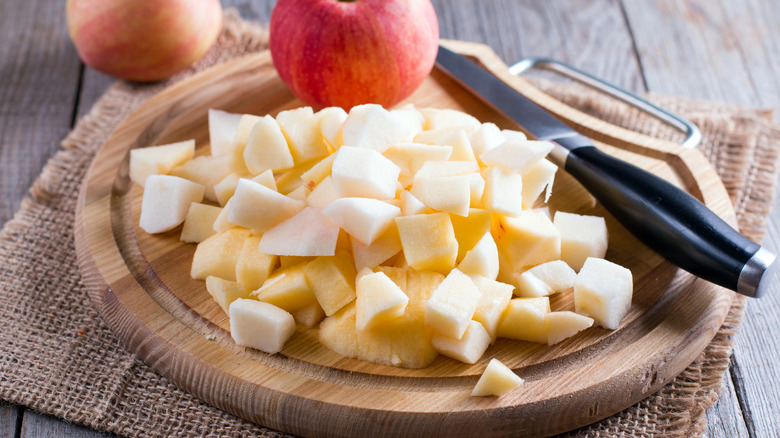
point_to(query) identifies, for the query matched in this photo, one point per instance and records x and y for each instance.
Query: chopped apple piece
(290, 261)
(449, 118)
(363, 218)
(206, 171)
(485, 138)
(582, 236)
(166, 201)
(540, 177)
(288, 289)
(221, 223)
(364, 173)
(450, 194)
(300, 194)
(290, 179)
(603, 291)
(379, 299)
(496, 380)
(410, 158)
(323, 194)
(503, 192)
(225, 292)
(308, 233)
(243, 132)
(381, 249)
(301, 128)
(524, 319)
(494, 299)
(199, 222)
(436, 169)
(527, 240)
(253, 267)
(452, 305)
(545, 279)
(218, 255)
(249, 195)
(467, 349)
(266, 148)
(470, 229)
(373, 127)
(332, 279)
(338, 332)
(461, 146)
(267, 179)
(317, 173)
(564, 324)
(225, 189)
(431, 136)
(330, 121)
(260, 325)
(222, 129)
(513, 135)
(411, 118)
(159, 160)
(428, 241)
(411, 205)
(309, 316)
(482, 259)
(516, 156)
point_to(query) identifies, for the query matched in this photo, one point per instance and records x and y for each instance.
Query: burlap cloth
(58, 357)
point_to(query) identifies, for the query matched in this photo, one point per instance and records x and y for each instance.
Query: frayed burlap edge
(740, 142)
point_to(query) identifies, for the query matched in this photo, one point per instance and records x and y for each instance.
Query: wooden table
(722, 50)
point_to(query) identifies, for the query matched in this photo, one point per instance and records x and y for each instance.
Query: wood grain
(36, 425)
(9, 418)
(141, 285)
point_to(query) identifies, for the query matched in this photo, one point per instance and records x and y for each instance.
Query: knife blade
(665, 218)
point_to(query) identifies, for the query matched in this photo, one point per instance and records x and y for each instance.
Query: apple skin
(143, 40)
(347, 53)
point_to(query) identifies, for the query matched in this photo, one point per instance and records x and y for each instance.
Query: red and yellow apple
(351, 52)
(143, 40)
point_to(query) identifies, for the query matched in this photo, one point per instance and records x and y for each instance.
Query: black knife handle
(672, 222)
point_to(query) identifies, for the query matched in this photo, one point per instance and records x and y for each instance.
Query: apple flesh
(143, 40)
(347, 53)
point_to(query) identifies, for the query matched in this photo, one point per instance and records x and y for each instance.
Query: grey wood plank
(9, 419)
(725, 419)
(40, 76)
(36, 425)
(727, 51)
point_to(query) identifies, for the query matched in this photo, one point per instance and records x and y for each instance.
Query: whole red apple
(345, 53)
(143, 40)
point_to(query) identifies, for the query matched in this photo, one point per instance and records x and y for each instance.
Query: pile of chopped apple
(402, 234)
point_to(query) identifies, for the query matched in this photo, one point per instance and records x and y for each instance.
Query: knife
(668, 220)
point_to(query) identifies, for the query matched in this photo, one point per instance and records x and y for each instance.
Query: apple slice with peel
(496, 380)
(373, 127)
(364, 173)
(260, 325)
(158, 160)
(362, 218)
(308, 233)
(166, 201)
(249, 195)
(222, 129)
(564, 324)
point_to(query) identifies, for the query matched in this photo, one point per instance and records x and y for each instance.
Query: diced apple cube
(514, 135)
(309, 316)
(373, 127)
(222, 129)
(412, 156)
(244, 206)
(308, 233)
(323, 194)
(461, 146)
(452, 305)
(527, 240)
(467, 349)
(243, 132)
(564, 324)
(225, 292)
(221, 223)
(410, 117)
(603, 291)
(225, 189)
(364, 173)
(482, 259)
(290, 261)
(288, 289)
(503, 192)
(330, 121)
(540, 177)
(332, 279)
(494, 299)
(485, 138)
(381, 249)
(411, 205)
(496, 380)
(431, 136)
(363, 218)
(267, 179)
(206, 171)
(317, 173)
(260, 325)
(290, 179)
(302, 130)
(165, 202)
(524, 319)
(218, 255)
(516, 156)
(199, 222)
(470, 229)
(449, 118)
(428, 241)
(159, 160)
(266, 148)
(300, 193)
(378, 300)
(582, 236)
(451, 194)
(545, 279)
(253, 267)
(436, 169)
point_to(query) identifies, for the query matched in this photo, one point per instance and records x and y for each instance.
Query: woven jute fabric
(57, 356)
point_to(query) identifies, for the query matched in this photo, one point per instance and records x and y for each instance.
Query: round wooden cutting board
(141, 285)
